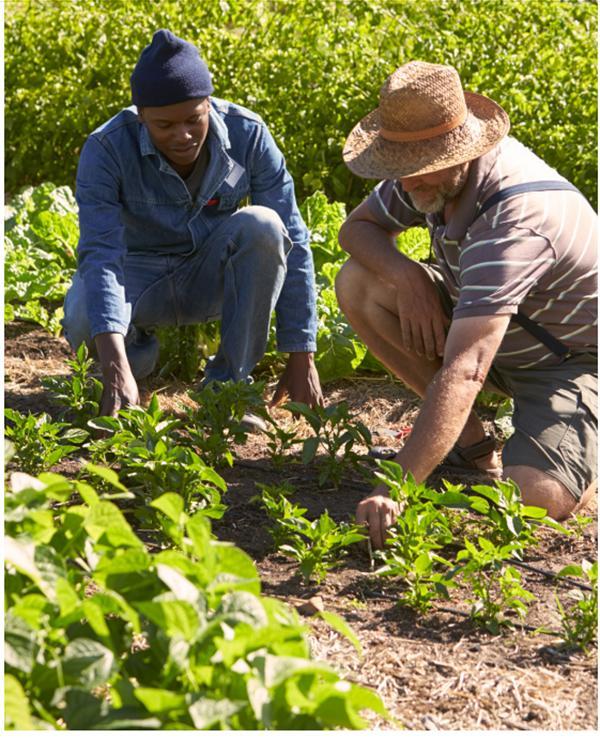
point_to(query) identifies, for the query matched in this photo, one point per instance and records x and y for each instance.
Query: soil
(434, 671)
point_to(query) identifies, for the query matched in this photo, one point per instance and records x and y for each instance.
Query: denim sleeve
(101, 249)
(272, 186)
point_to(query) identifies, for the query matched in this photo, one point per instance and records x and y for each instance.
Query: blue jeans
(236, 275)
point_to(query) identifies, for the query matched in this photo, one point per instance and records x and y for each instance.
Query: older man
(510, 301)
(165, 241)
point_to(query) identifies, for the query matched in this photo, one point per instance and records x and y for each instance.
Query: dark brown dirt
(433, 671)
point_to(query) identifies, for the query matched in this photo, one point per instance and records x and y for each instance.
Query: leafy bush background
(311, 68)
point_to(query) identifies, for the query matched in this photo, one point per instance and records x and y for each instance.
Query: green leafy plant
(336, 432)
(101, 634)
(579, 618)
(510, 521)
(410, 554)
(79, 393)
(38, 441)
(155, 459)
(317, 545)
(495, 586)
(217, 421)
(41, 234)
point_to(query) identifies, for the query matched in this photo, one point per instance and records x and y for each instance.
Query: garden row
(165, 627)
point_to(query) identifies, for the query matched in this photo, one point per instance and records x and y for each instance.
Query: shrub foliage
(311, 68)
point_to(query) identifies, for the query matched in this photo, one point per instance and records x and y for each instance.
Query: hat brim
(367, 154)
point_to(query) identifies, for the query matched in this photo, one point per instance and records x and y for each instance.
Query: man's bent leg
(552, 453)
(371, 306)
(243, 267)
(541, 490)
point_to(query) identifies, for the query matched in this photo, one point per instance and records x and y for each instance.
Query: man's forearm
(445, 411)
(375, 249)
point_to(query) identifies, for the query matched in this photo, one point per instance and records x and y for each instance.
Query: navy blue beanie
(169, 71)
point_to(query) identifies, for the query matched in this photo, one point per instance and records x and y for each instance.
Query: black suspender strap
(541, 185)
(535, 329)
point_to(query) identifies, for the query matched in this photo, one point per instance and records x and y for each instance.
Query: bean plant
(100, 634)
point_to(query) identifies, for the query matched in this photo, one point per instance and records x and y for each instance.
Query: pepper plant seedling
(336, 432)
(579, 618)
(216, 423)
(38, 441)
(78, 393)
(317, 545)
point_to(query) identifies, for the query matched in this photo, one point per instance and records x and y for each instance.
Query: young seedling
(79, 393)
(216, 424)
(420, 530)
(495, 586)
(510, 521)
(579, 619)
(38, 442)
(336, 432)
(317, 545)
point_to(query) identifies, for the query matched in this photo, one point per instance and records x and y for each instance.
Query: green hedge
(312, 68)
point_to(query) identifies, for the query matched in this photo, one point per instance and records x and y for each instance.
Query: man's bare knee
(351, 285)
(542, 490)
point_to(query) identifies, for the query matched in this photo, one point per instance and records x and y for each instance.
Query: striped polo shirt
(536, 251)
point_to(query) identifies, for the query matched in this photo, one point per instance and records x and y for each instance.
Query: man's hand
(120, 390)
(423, 322)
(378, 512)
(300, 381)
(120, 387)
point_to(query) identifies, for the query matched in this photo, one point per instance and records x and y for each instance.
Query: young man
(165, 239)
(503, 257)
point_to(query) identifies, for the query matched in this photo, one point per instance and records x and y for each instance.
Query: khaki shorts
(555, 417)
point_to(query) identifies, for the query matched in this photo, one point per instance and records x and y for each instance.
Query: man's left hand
(300, 381)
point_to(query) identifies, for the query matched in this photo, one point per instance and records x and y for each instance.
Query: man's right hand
(120, 387)
(378, 512)
(423, 322)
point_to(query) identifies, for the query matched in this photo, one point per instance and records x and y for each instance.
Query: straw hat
(425, 122)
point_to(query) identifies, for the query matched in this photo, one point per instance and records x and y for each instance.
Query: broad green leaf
(277, 669)
(206, 713)
(176, 618)
(87, 663)
(242, 607)
(95, 617)
(181, 587)
(106, 524)
(17, 712)
(160, 700)
(171, 504)
(341, 626)
(67, 597)
(309, 449)
(20, 644)
(106, 474)
(39, 563)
